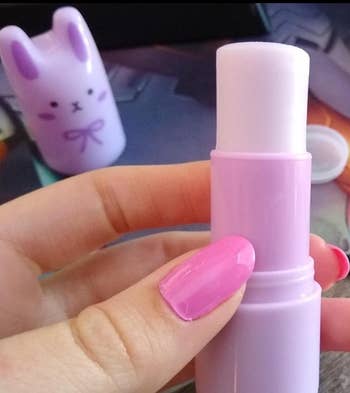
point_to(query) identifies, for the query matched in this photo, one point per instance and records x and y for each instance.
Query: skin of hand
(97, 322)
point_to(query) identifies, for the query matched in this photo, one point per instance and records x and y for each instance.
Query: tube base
(265, 348)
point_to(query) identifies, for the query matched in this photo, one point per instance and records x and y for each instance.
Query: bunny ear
(78, 42)
(17, 49)
(69, 24)
(24, 61)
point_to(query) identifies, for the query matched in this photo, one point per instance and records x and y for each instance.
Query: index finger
(71, 218)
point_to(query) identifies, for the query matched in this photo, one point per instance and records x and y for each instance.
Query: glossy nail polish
(343, 261)
(208, 278)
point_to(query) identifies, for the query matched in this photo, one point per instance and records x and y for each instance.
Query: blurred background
(160, 60)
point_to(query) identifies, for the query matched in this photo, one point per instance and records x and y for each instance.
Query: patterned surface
(335, 366)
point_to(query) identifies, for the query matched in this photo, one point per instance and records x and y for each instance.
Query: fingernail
(343, 261)
(208, 278)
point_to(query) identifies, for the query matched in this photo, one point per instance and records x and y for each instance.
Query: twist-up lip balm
(260, 190)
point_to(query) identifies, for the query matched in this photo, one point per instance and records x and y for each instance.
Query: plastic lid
(329, 150)
(262, 91)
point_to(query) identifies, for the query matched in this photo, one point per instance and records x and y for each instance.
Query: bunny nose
(76, 106)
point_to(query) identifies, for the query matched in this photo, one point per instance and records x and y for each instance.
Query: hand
(99, 323)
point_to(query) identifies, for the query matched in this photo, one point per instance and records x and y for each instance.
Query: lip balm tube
(261, 181)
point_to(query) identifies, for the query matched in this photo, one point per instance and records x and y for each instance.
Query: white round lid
(329, 150)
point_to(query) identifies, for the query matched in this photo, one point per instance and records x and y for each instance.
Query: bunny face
(64, 93)
(54, 105)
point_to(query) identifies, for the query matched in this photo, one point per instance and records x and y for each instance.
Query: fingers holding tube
(139, 339)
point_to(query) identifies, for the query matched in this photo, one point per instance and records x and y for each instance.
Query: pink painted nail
(343, 261)
(208, 278)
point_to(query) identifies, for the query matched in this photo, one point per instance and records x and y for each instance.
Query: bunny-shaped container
(63, 90)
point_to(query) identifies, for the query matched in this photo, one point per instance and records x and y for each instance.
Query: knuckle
(103, 345)
(119, 345)
(111, 204)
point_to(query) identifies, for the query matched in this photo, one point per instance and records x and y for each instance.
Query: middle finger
(111, 270)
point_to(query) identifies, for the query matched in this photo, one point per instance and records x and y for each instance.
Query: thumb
(139, 339)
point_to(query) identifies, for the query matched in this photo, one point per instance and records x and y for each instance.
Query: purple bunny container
(63, 90)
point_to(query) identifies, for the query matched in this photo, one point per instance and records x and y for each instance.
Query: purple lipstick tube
(261, 181)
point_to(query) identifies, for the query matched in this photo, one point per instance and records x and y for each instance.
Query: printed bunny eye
(54, 104)
(90, 91)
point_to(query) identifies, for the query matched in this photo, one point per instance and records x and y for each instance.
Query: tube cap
(262, 92)
(330, 153)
